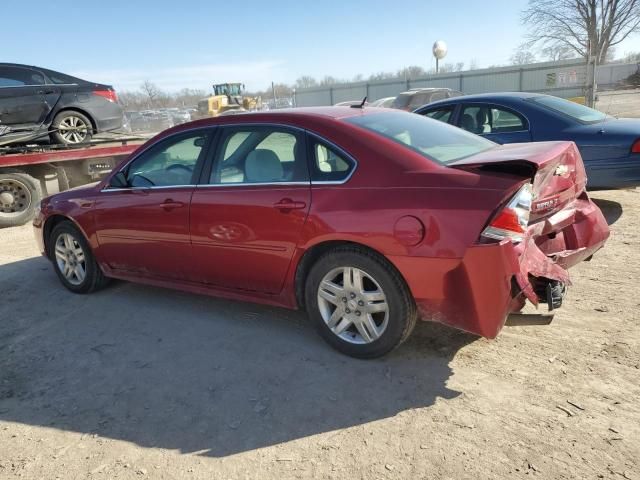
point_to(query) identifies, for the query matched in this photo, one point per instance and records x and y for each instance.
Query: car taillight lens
(635, 148)
(108, 94)
(511, 222)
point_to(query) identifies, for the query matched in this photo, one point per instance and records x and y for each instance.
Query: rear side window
(434, 140)
(328, 165)
(261, 154)
(443, 114)
(483, 119)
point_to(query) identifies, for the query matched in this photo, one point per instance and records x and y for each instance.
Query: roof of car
(311, 112)
(493, 97)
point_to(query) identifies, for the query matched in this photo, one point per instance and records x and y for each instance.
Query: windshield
(572, 109)
(432, 139)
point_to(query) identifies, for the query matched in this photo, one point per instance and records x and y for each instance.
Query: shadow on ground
(196, 374)
(611, 210)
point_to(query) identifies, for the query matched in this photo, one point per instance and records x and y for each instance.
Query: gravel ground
(140, 382)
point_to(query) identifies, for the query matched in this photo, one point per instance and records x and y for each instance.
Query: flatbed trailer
(29, 173)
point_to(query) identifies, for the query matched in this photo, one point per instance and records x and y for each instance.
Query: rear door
(496, 123)
(144, 227)
(23, 100)
(247, 214)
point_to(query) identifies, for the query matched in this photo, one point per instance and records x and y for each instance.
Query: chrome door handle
(288, 204)
(169, 204)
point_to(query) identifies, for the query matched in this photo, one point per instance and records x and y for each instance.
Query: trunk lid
(555, 169)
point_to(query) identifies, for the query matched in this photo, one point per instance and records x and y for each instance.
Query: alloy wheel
(70, 259)
(353, 305)
(73, 129)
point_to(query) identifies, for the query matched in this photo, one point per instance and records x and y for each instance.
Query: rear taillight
(108, 94)
(511, 222)
(635, 148)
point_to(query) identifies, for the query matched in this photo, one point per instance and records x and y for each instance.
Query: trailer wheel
(71, 128)
(20, 194)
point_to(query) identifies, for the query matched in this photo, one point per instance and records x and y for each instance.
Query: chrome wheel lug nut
(353, 295)
(344, 299)
(361, 303)
(347, 311)
(358, 313)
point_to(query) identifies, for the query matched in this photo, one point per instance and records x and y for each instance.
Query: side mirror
(119, 180)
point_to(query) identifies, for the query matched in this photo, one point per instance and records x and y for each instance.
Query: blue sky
(194, 43)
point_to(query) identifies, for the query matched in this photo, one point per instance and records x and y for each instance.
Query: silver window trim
(256, 184)
(158, 187)
(310, 182)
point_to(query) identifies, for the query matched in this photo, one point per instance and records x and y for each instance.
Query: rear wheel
(71, 128)
(359, 303)
(73, 260)
(20, 194)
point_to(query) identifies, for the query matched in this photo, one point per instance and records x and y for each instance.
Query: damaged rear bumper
(477, 293)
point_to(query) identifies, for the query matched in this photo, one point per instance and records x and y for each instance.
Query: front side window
(574, 110)
(328, 165)
(434, 140)
(483, 119)
(172, 162)
(259, 155)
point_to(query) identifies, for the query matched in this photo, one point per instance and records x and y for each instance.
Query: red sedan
(367, 218)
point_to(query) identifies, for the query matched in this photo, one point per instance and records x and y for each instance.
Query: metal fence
(563, 79)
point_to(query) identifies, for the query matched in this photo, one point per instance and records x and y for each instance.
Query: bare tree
(581, 24)
(522, 56)
(553, 53)
(411, 72)
(152, 93)
(306, 81)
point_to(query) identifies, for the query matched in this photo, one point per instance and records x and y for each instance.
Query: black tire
(401, 309)
(94, 279)
(20, 195)
(67, 118)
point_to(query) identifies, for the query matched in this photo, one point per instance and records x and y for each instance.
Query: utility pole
(590, 84)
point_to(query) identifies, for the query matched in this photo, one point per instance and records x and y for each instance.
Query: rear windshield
(434, 140)
(402, 100)
(572, 109)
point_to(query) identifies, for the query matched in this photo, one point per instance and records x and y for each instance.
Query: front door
(143, 228)
(247, 216)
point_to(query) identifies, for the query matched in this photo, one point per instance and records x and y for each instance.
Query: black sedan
(610, 147)
(37, 103)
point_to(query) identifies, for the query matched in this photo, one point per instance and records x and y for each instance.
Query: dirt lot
(620, 103)
(140, 382)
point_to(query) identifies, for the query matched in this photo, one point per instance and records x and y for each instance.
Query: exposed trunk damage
(565, 227)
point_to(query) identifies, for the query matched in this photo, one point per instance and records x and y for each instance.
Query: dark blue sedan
(610, 147)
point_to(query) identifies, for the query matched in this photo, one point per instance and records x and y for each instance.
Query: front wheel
(73, 260)
(359, 303)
